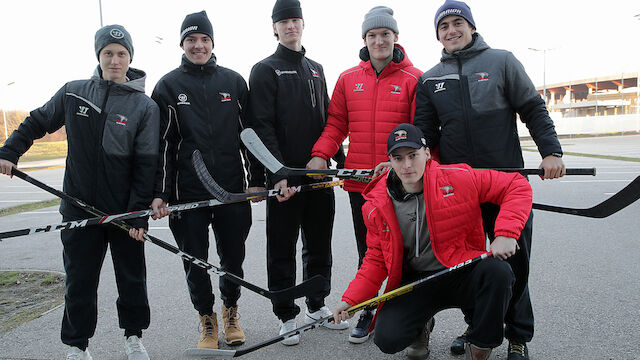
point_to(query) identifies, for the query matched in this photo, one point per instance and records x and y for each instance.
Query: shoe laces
(134, 344)
(516, 348)
(207, 325)
(232, 316)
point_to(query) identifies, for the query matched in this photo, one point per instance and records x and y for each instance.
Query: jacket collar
(290, 55)
(135, 79)
(400, 60)
(477, 45)
(208, 67)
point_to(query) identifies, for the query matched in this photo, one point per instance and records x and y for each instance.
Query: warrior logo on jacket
(359, 87)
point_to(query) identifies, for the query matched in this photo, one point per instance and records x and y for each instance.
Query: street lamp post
(4, 115)
(544, 71)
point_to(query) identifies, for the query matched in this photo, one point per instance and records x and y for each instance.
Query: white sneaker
(324, 312)
(287, 326)
(134, 349)
(75, 353)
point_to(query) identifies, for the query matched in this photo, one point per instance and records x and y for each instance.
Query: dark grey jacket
(466, 106)
(112, 132)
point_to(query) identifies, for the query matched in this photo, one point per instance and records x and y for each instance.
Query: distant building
(600, 96)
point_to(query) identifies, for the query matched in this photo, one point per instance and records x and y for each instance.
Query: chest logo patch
(314, 73)
(440, 87)
(83, 111)
(224, 97)
(285, 72)
(182, 100)
(121, 120)
(447, 190)
(359, 87)
(483, 76)
(396, 89)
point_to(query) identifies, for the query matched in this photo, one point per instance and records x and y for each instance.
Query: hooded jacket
(112, 132)
(366, 108)
(466, 105)
(452, 194)
(288, 107)
(201, 108)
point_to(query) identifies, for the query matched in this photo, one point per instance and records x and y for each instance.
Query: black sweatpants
(519, 322)
(310, 213)
(83, 253)
(360, 229)
(231, 224)
(485, 288)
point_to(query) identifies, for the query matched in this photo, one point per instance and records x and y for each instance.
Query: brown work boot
(233, 334)
(472, 352)
(208, 332)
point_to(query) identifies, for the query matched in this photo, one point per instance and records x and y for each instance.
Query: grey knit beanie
(113, 34)
(379, 17)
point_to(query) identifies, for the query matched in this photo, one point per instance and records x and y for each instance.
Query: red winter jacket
(366, 108)
(452, 194)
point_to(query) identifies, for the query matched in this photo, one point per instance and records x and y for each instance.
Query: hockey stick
(221, 353)
(303, 289)
(226, 197)
(260, 151)
(612, 205)
(100, 220)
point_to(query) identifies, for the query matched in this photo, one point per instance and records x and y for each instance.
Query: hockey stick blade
(226, 197)
(623, 198)
(225, 354)
(260, 151)
(303, 289)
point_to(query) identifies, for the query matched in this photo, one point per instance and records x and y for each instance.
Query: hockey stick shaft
(297, 291)
(352, 310)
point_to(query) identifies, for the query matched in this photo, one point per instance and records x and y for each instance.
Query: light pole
(4, 115)
(544, 71)
(100, 5)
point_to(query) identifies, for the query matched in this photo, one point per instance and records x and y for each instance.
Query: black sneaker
(517, 351)
(361, 333)
(457, 345)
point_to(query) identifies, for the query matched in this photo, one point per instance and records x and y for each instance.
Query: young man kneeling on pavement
(423, 217)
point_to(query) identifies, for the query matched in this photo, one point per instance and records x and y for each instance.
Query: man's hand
(381, 168)
(138, 234)
(317, 162)
(339, 313)
(6, 166)
(159, 208)
(553, 167)
(285, 192)
(504, 247)
(255, 189)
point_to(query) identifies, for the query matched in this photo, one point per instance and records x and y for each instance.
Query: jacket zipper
(464, 90)
(417, 225)
(103, 123)
(373, 122)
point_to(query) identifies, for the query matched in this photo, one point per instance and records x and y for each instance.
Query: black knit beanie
(196, 23)
(286, 9)
(113, 34)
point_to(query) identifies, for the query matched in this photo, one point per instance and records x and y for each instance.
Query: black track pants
(231, 224)
(356, 200)
(485, 287)
(312, 213)
(83, 254)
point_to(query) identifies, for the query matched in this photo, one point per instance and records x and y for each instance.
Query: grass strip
(598, 156)
(29, 207)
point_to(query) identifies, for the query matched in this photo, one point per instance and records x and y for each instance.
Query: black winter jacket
(201, 107)
(112, 133)
(288, 105)
(467, 106)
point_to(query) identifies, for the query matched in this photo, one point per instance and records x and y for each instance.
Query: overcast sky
(46, 43)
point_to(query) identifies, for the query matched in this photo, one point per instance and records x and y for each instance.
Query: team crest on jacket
(400, 135)
(447, 190)
(182, 100)
(482, 76)
(224, 97)
(121, 120)
(83, 110)
(314, 73)
(359, 87)
(396, 89)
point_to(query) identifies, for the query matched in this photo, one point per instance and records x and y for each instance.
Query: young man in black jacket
(112, 134)
(201, 108)
(288, 108)
(466, 105)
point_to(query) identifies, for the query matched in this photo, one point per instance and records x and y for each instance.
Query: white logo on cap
(116, 34)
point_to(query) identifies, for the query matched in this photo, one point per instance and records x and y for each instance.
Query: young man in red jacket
(422, 217)
(368, 101)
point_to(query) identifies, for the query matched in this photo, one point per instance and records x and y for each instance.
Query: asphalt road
(585, 278)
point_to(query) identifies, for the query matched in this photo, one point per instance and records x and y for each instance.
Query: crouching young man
(422, 217)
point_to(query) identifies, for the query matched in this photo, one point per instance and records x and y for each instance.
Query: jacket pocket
(117, 136)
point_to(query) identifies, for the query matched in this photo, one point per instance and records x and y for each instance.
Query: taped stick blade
(260, 151)
(205, 178)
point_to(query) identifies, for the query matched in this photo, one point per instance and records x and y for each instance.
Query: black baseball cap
(405, 135)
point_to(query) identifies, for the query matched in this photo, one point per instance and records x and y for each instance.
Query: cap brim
(404, 144)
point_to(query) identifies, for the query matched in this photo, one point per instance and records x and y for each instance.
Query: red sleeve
(337, 127)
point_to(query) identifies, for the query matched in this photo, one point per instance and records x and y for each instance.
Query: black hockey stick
(303, 289)
(612, 205)
(260, 151)
(221, 353)
(226, 197)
